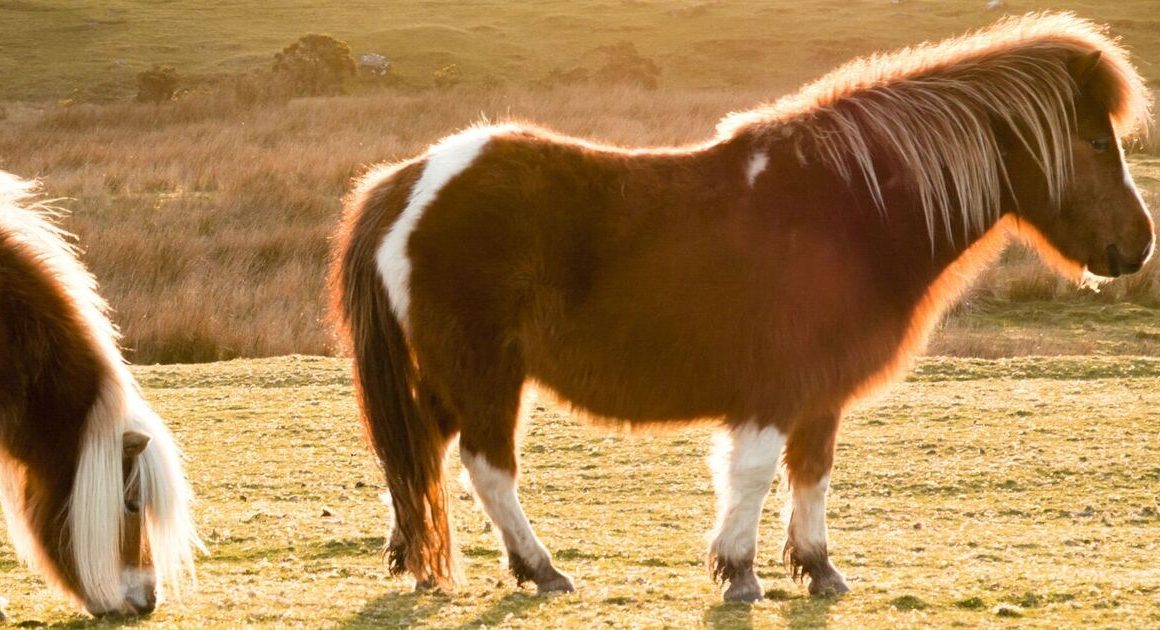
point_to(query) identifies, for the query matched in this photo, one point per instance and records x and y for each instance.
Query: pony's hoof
(744, 588)
(554, 581)
(831, 585)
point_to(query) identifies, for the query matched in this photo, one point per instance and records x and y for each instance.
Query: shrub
(315, 65)
(157, 84)
(618, 63)
(623, 64)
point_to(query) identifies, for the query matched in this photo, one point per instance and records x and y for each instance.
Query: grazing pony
(91, 481)
(766, 278)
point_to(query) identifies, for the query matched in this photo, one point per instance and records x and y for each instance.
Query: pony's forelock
(96, 507)
(165, 501)
(931, 109)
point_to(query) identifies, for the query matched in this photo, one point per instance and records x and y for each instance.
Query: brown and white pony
(766, 278)
(91, 480)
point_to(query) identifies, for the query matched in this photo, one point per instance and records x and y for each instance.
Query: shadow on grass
(797, 611)
(729, 616)
(514, 604)
(808, 612)
(402, 610)
(83, 622)
(398, 610)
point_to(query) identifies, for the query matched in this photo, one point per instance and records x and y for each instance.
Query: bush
(618, 63)
(157, 84)
(623, 64)
(315, 65)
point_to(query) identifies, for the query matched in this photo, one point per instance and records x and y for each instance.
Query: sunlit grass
(974, 491)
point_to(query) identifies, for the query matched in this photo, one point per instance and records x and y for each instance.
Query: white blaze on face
(757, 164)
(744, 464)
(444, 160)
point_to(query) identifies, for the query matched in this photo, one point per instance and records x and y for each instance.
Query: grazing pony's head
(1022, 119)
(91, 481)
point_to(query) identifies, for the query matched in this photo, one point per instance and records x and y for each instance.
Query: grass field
(977, 493)
(93, 50)
(207, 219)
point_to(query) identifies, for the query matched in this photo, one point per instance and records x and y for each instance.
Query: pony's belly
(613, 372)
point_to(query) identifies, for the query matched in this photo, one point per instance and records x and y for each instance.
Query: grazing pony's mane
(96, 502)
(931, 109)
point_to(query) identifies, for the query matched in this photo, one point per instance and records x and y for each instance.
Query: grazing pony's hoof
(744, 588)
(553, 581)
(827, 582)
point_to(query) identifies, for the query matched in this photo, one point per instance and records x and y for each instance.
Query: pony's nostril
(1148, 249)
(1115, 261)
(146, 607)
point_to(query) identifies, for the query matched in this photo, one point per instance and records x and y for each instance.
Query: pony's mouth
(1113, 264)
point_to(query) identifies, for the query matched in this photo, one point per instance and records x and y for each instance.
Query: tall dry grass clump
(207, 219)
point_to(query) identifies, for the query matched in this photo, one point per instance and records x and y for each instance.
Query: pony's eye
(1100, 145)
(132, 507)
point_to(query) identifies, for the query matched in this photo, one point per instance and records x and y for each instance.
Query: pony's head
(91, 480)
(129, 522)
(1094, 221)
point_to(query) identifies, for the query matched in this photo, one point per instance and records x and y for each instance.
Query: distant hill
(93, 50)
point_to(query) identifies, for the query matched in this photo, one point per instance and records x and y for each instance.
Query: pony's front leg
(744, 465)
(809, 456)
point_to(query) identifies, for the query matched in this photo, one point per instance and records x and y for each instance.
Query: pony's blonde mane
(930, 110)
(96, 503)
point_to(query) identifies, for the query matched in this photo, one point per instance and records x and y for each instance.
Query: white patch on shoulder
(757, 163)
(444, 160)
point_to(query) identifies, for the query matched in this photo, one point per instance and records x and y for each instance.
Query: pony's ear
(133, 443)
(1083, 67)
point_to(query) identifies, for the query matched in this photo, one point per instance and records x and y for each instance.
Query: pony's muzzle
(145, 605)
(1120, 264)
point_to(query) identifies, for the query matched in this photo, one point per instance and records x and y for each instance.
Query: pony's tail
(404, 433)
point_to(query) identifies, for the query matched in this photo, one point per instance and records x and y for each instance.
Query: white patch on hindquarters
(443, 161)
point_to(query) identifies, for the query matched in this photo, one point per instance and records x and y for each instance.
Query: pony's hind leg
(744, 465)
(809, 457)
(487, 447)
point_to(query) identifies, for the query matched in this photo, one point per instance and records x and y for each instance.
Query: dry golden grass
(207, 219)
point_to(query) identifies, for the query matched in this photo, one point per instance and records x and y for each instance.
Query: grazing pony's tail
(397, 419)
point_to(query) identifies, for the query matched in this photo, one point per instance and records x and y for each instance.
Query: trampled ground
(977, 493)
